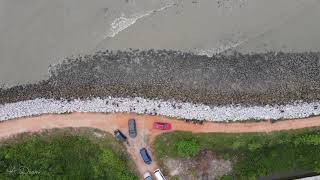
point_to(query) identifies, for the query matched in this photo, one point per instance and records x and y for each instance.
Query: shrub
(64, 154)
(311, 139)
(187, 148)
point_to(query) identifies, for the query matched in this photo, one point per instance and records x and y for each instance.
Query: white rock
(139, 105)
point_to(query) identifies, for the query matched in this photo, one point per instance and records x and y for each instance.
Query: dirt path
(146, 134)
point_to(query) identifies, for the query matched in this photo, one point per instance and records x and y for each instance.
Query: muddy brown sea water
(36, 34)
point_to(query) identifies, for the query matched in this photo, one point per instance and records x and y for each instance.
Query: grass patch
(252, 154)
(65, 154)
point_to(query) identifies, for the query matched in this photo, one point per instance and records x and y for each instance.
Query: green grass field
(252, 155)
(65, 154)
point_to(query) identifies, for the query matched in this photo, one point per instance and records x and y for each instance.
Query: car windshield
(164, 126)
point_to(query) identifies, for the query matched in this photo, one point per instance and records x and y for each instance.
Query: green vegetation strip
(253, 155)
(65, 154)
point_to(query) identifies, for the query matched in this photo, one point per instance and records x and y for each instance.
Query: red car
(162, 126)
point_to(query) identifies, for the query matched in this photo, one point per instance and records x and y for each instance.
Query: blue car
(145, 156)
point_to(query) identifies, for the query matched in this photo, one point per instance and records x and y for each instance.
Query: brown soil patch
(204, 166)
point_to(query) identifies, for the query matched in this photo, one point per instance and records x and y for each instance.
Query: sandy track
(146, 135)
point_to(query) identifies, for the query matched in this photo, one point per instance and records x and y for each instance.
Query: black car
(132, 128)
(120, 136)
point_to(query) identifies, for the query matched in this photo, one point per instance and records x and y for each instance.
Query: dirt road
(146, 134)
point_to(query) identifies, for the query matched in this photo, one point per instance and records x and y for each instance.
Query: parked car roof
(145, 156)
(162, 125)
(119, 135)
(132, 128)
(147, 176)
(158, 174)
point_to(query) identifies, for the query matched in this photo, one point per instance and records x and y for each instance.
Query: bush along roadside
(65, 154)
